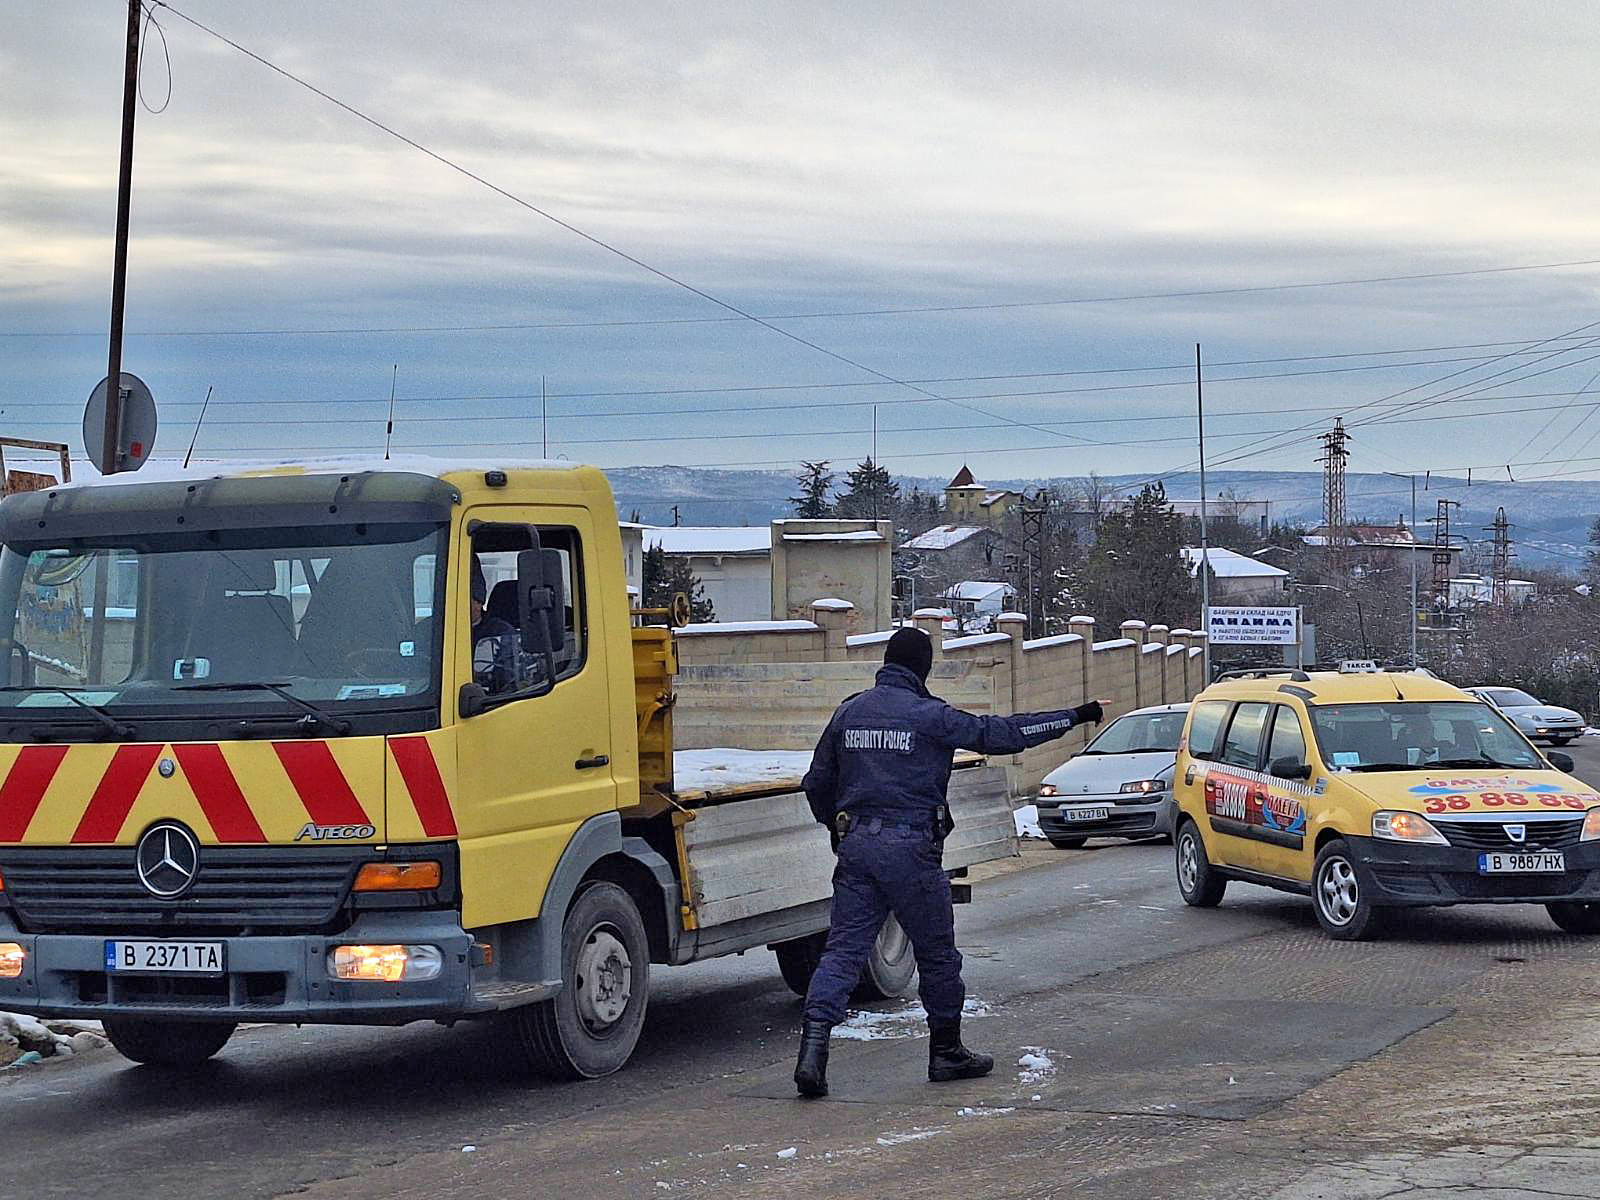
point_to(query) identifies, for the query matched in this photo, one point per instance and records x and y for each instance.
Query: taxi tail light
(12, 956)
(2, 881)
(1591, 826)
(398, 877)
(1407, 827)
(385, 964)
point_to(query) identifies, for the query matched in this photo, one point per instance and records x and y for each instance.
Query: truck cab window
(502, 662)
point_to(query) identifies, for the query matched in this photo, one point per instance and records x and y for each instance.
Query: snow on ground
(916, 1135)
(25, 1040)
(983, 1112)
(1037, 1065)
(1027, 819)
(866, 1025)
(702, 770)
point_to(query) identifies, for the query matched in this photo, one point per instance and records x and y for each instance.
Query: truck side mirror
(541, 600)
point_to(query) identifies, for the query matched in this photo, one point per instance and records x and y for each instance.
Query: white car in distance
(1119, 785)
(1534, 718)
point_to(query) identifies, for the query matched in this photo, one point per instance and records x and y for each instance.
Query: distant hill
(1550, 518)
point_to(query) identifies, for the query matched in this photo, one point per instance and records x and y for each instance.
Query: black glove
(1088, 712)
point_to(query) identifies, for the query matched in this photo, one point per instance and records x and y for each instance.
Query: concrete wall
(772, 685)
(738, 585)
(845, 560)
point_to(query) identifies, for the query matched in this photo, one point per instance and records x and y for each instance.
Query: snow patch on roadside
(983, 1112)
(1027, 821)
(915, 1135)
(1037, 1065)
(25, 1040)
(866, 1025)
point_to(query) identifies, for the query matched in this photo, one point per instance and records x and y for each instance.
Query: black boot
(948, 1059)
(811, 1070)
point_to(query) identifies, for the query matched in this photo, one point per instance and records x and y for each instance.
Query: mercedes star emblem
(167, 859)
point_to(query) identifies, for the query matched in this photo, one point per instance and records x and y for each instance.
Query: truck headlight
(1047, 789)
(12, 956)
(1591, 826)
(385, 964)
(1407, 827)
(1144, 786)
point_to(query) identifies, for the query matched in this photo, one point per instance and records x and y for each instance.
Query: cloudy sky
(814, 163)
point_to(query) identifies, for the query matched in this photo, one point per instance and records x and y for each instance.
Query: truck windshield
(340, 616)
(1413, 734)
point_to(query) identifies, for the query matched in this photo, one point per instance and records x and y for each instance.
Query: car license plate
(165, 958)
(1546, 862)
(1078, 812)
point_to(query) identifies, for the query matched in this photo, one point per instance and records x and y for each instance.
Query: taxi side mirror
(1560, 760)
(1289, 768)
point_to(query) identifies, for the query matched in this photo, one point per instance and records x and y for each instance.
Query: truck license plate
(165, 958)
(1547, 862)
(1078, 812)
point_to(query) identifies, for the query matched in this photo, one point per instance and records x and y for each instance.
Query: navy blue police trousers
(886, 868)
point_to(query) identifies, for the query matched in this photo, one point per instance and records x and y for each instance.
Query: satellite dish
(138, 426)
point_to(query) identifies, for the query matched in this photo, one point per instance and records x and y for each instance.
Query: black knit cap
(912, 649)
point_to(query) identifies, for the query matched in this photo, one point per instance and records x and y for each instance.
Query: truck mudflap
(269, 979)
(766, 857)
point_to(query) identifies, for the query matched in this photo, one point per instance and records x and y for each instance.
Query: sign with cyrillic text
(1253, 626)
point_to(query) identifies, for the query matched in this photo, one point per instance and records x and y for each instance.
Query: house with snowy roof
(968, 502)
(1237, 578)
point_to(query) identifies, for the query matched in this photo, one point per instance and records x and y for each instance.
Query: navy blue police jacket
(887, 752)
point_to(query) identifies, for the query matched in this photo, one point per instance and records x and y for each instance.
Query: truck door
(536, 762)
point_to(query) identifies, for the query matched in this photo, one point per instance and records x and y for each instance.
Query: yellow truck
(372, 743)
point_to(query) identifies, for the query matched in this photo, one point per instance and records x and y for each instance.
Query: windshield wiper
(108, 722)
(1474, 762)
(314, 716)
(1388, 766)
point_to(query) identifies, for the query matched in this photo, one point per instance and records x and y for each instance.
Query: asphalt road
(1232, 1052)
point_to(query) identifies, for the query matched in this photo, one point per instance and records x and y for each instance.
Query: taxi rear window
(1204, 726)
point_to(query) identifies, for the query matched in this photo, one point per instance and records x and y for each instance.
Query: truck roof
(440, 467)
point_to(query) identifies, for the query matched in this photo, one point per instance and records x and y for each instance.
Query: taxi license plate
(1078, 812)
(165, 958)
(1546, 862)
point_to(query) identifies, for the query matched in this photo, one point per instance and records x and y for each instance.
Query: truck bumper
(1401, 875)
(268, 979)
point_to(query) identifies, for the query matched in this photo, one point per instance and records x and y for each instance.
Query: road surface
(1226, 1053)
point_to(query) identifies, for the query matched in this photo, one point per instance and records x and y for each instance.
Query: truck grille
(236, 888)
(1491, 835)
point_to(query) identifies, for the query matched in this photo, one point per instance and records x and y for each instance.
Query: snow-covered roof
(853, 535)
(991, 497)
(942, 537)
(1230, 564)
(699, 627)
(709, 539)
(976, 590)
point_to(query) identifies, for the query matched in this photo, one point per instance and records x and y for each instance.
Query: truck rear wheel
(798, 959)
(167, 1043)
(890, 967)
(591, 1028)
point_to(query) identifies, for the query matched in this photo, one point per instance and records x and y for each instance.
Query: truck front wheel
(591, 1028)
(167, 1043)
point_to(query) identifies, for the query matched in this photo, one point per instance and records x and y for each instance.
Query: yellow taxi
(1371, 791)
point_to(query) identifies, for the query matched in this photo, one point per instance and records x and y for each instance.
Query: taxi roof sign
(1358, 666)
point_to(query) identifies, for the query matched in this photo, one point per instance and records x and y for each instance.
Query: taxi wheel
(1068, 843)
(1344, 909)
(1198, 883)
(167, 1043)
(1575, 916)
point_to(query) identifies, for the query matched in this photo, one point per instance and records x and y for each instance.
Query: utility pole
(1412, 553)
(1205, 558)
(544, 420)
(119, 262)
(1501, 568)
(1032, 517)
(677, 518)
(1335, 522)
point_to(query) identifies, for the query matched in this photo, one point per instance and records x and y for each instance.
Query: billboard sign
(1253, 626)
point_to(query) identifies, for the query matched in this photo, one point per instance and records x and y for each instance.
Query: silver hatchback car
(1119, 785)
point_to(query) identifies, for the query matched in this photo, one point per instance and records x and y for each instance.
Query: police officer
(878, 781)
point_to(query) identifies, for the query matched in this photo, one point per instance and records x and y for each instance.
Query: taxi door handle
(588, 764)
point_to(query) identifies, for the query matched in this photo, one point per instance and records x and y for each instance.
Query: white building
(1237, 578)
(734, 565)
(1479, 589)
(977, 602)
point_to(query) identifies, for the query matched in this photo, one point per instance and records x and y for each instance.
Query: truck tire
(167, 1043)
(1198, 882)
(798, 959)
(1575, 916)
(890, 967)
(591, 1027)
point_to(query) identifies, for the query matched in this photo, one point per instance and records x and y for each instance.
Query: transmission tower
(1032, 516)
(1500, 571)
(1335, 522)
(1443, 544)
